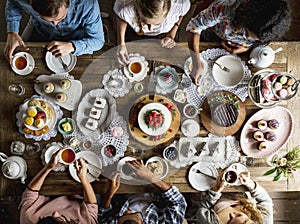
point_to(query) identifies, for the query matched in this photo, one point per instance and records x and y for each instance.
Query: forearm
(160, 184)
(88, 192)
(37, 182)
(121, 29)
(106, 201)
(13, 14)
(194, 45)
(173, 31)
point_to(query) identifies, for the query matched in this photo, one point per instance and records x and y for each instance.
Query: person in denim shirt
(238, 25)
(71, 26)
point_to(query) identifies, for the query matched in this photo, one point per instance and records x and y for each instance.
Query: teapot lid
(11, 169)
(266, 52)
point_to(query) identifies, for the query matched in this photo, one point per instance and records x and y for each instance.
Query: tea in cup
(190, 111)
(230, 176)
(135, 67)
(20, 62)
(67, 156)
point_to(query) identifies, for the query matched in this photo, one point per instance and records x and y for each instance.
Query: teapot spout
(278, 50)
(23, 178)
(252, 61)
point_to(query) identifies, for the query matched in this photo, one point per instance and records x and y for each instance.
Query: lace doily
(116, 83)
(106, 138)
(208, 85)
(145, 68)
(52, 132)
(159, 89)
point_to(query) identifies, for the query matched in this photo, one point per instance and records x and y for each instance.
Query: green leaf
(277, 177)
(270, 172)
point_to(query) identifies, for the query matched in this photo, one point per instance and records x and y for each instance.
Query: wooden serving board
(212, 127)
(142, 137)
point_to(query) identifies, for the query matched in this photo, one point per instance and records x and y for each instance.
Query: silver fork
(65, 66)
(224, 68)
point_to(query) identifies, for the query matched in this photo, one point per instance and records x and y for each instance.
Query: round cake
(225, 114)
(154, 119)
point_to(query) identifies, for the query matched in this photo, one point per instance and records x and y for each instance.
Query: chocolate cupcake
(270, 136)
(273, 124)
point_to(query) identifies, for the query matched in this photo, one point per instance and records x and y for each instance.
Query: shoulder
(180, 6)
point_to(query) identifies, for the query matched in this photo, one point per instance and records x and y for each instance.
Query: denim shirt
(82, 25)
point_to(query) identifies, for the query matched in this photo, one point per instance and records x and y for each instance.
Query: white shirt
(125, 11)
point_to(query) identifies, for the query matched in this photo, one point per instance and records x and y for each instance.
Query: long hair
(251, 211)
(267, 19)
(48, 8)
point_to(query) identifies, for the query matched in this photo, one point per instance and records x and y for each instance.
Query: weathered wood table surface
(58, 183)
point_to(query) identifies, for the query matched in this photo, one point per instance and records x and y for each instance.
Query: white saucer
(142, 75)
(94, 166)
(191, 132)
(55, 66)
(30, 62)
(238, 168)
(121, 164)
(48, 151)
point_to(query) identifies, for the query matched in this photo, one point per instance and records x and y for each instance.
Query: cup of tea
(20, 62)
(230, 176)
(135, 67)
(67, 156)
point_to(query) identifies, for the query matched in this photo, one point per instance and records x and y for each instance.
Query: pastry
(91, 124)
(61, 97)
(290, 81)
(154, 119)
(95, 113)
(277, 86)
(156, 168)
(65, 84)
(282, 93)
(270, 136)
(48, 87)
(225, 114)
(262, 124)
(262, 146)
(100, 102)
(167, 77)
(273, 124)
(258, 135)
(283, 79)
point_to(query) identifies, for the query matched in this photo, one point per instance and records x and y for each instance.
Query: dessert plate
(250, 146)
(30, 61)
(85, 106)
(162, 79)
(164, 165)
(73, 93)
(200, 181)
(163, 110)
(120, 165)
(190, 128)
(94, 165)
(54, 64)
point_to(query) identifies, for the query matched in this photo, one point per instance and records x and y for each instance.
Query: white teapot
(14, 167)
(262, 56)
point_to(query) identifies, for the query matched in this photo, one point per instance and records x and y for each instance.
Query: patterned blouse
(218, 17)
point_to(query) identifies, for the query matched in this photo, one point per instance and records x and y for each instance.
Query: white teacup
(135, 67)
(191, 111)
(67, 156)
(20, 62)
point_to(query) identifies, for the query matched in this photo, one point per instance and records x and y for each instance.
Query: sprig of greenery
(225, 98)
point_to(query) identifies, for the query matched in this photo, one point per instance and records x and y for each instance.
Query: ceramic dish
(143, 73)
(85, 106)
(250, 146)
(122, 170)
(200, 181)
(48, 151)
(238, 168)
(228, 78)
(73, 93)
(162, 79)
(164, 167)
(94, 165)
(66, 120)
(55, 66)
(30, 62)
(180, 96)
(166, 123)
(190, 128)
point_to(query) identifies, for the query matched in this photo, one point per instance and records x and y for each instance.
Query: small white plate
(238, 168)
(164, 111)
(199, 181)
(94, 165)
(55, 66)
(48, 151)
(30, 62)
(190, 128)
(120, 165)
(228, 78)
(164, 163)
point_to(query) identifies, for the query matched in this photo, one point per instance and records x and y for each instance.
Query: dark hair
(49, 8)
(53, 220)
(267, 19)
(130, 222)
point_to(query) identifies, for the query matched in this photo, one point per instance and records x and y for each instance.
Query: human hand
(14, 40)
(122, 55)
(141, 170)
(81, 167)
(168, 42)
(220, 182)
(196, 73)
(113, 184)
(53, 163)
(60, 48)
(246, 180)
(234, 48)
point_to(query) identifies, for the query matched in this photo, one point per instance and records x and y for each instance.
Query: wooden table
(58, 183)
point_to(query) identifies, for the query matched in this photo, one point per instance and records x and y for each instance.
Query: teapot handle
(23, 178)
(3, 157)
(278, 50)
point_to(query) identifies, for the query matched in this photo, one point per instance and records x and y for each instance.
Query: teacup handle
(3, 157)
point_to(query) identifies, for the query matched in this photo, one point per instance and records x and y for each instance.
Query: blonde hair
(151, 9)
(250, 209)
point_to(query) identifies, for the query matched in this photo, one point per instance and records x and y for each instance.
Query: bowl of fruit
(109, 151)
(66, 126)
(35, 118)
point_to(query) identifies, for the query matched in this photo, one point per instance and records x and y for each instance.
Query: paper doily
(52, 132)
(116, 83)
(193, 96)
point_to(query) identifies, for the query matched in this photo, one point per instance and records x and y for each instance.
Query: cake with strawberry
(154, 119)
